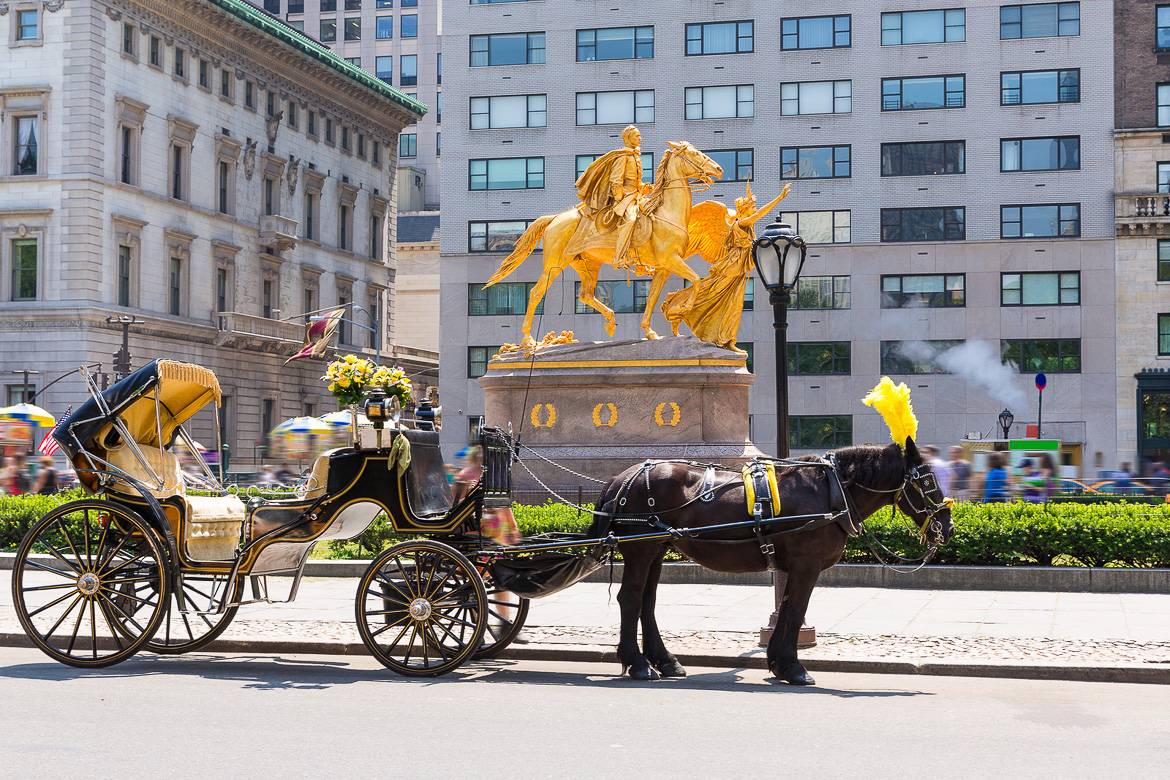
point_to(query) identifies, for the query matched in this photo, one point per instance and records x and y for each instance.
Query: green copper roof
(318, 51)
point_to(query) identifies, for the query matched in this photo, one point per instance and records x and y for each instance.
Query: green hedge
(1017, 534)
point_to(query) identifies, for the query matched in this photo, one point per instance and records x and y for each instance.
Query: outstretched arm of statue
(767, 207)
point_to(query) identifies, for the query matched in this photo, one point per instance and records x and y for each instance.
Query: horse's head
(693, 164)
(923, 500)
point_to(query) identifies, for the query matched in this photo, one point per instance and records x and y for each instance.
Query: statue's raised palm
(660, 255)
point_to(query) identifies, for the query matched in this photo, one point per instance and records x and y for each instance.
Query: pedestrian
(960, 474)
(46, 482)
(939, 467)
(997, 482)
(498, 524)
(1031, 482)
(13, 478)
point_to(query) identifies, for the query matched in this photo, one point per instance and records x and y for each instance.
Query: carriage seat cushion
(318, 481)
(165, 465)
(213, 527)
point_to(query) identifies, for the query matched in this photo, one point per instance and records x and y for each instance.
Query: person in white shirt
(939, 467)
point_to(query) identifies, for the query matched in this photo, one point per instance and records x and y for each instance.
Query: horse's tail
(524, 247)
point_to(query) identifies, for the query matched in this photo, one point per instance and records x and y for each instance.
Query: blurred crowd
(1036, 479)
(18, 476)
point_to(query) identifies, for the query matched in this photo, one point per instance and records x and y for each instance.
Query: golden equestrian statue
(616, 209)
(712, 307)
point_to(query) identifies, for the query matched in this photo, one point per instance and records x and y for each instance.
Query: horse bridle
(921, 481)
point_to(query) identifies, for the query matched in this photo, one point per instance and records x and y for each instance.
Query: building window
(819, 358)
(816, 97)
(24, 269)
(267, 298)
(345, 227)
(583, 161)
(924, 158)
(328, 31)
(175, 287)
(180, 64)
(737, 164)
(249, 96)
(155, 51)
(620, 296)
(507, 49)
(178, 171)
(1028, 87)
(1059, 153)
(820, 227)
(223, 187)
(1163, 173)
(329, 130)
(477, 360)
(312, 215)
(1049, 220)
(1163, 334)
(1163, 260)
(204, 73)
(344, 298)
(1163, 105)
(938, 223)
(221, 289)
(129, 39)
(615, 108)
(1039, 20)
(929, 291)
(353, 5)
(738, 101)
(271, 195)
(408, 145)
(1040, 289)
(409, 3)
(125, 273)
(904, 28)
(226, 82)
(495, 236)
(26, 146)
(615, 43)
(353, 28)
(924, 93)
(272, 6)
(377, 229)
(816, 32)
(1052, 356)
(720, 38)
(408, 25)
(376, 153)
(816, 162)
(384, 27)
(384, 67)
(1163, 36)
(502, 111)
(820, 432)
(408, 70)
(345, 138)
(822, 292)
(915, 357)
(374, 334)
(28, 25)
(508, 173)
(504, 298)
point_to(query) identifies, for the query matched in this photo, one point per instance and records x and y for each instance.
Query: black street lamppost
(779, 272)
(1006, 418)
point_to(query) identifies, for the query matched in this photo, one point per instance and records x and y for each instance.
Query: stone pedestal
(600, 407)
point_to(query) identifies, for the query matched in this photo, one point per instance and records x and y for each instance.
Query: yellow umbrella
(28, 413)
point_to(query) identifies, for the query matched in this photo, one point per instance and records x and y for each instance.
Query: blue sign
(1041, 382)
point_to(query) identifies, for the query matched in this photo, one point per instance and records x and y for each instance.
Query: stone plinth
(598, 407)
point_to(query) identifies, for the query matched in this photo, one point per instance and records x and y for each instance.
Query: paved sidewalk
(853, 624)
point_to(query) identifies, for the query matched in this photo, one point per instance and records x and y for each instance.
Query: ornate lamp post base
(808, 634)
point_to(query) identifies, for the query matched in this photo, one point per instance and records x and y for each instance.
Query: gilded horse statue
(659, 241)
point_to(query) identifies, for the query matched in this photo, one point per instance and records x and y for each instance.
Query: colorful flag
(318, 333)
(49, 445)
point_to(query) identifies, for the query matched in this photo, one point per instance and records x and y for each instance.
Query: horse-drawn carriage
(162, 558)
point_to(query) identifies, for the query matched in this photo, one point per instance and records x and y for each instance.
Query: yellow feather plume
(892, 402)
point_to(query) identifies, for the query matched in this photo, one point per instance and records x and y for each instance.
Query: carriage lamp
(376, 412)
(1006, 418)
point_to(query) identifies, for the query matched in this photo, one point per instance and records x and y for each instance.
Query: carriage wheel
(420, 608)
(183, 633)
(70, 578)
(506, 613)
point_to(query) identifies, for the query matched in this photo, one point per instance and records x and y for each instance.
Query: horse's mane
(658, 189)
(871, 465)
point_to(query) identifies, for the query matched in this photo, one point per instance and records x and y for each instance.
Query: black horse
(853, 483)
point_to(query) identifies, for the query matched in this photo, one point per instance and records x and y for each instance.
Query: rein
(929, 509)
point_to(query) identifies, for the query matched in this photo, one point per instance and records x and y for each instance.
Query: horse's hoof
(671, 668)
(651, 335)
(610, 327)
(793, 674)
(639, 672)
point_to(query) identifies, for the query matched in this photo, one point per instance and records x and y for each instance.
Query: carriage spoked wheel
(185, 632)
(421, 608)
(70, 583)
(506, 613)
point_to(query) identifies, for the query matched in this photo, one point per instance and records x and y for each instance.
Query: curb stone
(1157, 674)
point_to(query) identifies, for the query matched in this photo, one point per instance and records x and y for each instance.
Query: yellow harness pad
(749, 487)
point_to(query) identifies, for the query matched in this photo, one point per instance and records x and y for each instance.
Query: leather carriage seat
(165, 464)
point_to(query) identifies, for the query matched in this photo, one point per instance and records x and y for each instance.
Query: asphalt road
(302, 716)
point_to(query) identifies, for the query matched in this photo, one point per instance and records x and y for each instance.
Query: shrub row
(1017, 534)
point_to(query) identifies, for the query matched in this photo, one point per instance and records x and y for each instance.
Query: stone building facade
(203, 170)
(1142, 171)
(997, 117)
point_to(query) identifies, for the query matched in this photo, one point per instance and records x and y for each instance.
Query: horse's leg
(652, 644)
(588, 272)
(554, 264)
(637, 561)
(782, 660)
(656, 284)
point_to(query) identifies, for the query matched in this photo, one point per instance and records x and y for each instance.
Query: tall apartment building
(203, 170)
(951, 165)
(1142, 137)
(397, 41)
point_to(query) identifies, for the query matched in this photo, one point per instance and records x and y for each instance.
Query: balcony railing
(259, 334)
(277, 232)
(1143, 214)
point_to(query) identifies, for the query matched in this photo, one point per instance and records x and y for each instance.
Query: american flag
(49, 445)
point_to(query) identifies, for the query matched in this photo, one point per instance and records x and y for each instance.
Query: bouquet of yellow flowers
(350, 378)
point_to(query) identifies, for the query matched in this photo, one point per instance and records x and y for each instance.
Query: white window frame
(791, 95)
(482, 111)
(743, 98)
(841, 221)
(638, 114)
